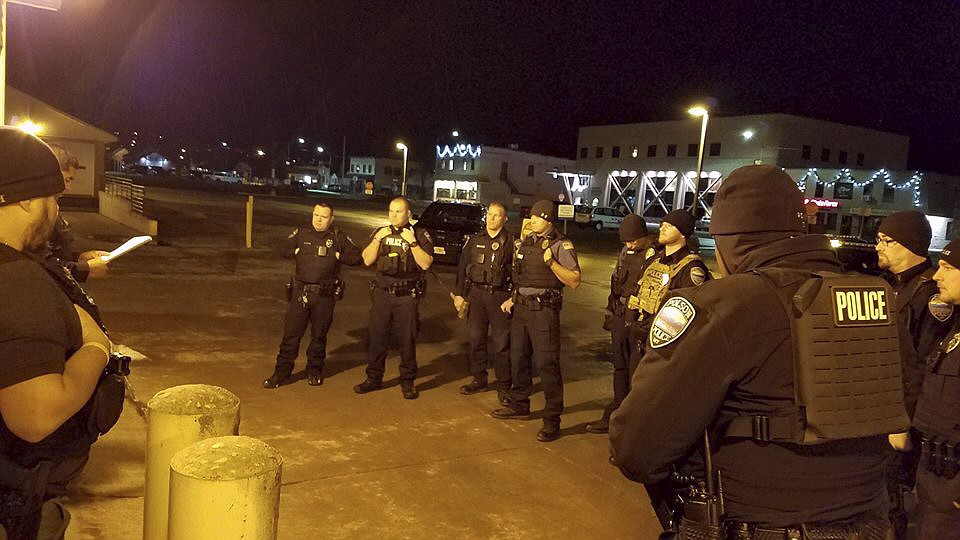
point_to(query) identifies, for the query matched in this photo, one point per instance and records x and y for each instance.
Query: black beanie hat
(542, 209)
(633, 227)
(951, 253)
(909, 228)
(28, 168)
(757, 198)
(681, 219)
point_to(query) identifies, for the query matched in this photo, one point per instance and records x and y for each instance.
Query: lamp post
(403, 184)
(704, 114)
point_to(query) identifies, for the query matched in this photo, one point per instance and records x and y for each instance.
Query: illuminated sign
(458, 150)
(822, 203)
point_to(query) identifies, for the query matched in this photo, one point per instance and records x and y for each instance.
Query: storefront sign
(822, 203)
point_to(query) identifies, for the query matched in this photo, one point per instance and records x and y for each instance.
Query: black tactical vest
(628, 271)
(528, 267)
(316, 255)
(938, 411)
(489, 258)
(394, 259)
(846, 360)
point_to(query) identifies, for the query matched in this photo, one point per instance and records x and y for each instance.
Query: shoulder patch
(952, 344)
(567, 245)
(671, 321)
(697, 276)
(940, 310)
(649, 253)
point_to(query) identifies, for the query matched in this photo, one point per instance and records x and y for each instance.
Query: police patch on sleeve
(697, 276)
(567, 245)
(671, 322)
(940, 310)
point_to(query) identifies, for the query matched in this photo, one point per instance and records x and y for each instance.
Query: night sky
(256, 73)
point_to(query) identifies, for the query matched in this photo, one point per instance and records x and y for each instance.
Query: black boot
(276, 380)
(477, 385)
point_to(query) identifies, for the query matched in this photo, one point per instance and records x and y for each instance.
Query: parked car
(598, 217)
(855, 254)
(449, 224)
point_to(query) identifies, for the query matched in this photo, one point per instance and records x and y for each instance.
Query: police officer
(721, 357)
(936, 418)
(903, 242)
(543, 263)
(675, 266)
(52, 351)
(313, 291)
(483, 282)
(402, 255)
(630, 263)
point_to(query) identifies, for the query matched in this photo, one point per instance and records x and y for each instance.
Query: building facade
(386, 174)
(854, 175)
(483, 174)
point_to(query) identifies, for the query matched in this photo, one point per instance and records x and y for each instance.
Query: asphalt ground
(201, 308)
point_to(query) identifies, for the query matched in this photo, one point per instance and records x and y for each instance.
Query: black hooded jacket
(734, 357)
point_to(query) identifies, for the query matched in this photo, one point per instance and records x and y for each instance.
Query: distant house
(84, 140)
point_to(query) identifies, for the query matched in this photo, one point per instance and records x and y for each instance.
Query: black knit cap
(910, 229)
(951, 253)
(543, 209)
(681, 219)
(633, 227)
(757, 198)
(28, 168)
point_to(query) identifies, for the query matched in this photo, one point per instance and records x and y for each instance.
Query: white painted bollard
(225, 488)
(176, 418)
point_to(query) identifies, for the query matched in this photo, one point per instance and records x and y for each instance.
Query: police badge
(545, 244)
(954, 341)
(495, 246)
(329, 242)
(940, 310)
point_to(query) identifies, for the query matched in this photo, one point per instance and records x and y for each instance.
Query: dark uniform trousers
(622, 366)
(485, 314)
(938, 518)
(535, 335)
(316, 311)
(401, 314)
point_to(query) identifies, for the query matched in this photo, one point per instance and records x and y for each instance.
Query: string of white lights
(844, 176)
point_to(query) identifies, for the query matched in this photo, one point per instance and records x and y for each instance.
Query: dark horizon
(499, 72)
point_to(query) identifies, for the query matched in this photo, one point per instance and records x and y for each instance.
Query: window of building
(599, 153)
(818, 190)
(692, 149)
(387, 170)
(715, 149)
(652, 150)
(473, 164)
(583, 153)
(450, 165)
(860, 159)
(831, 222)
(843, 190)
(464, 164)
(530, 168)
(825, 154)
(806, 151)
(615, 152)
(842, 157)
(634, 151)
(671, 150)
(889, 194)
(503, 169)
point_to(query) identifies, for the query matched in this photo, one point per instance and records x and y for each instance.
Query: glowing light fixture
(320, 149)
(261, 153)
(455, 133)
(697, 110)
(747, 135)
(31, 127)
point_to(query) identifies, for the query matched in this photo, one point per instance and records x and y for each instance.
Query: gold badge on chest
(954, 341)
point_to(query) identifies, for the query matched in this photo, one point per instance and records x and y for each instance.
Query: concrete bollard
(176, 418)
(225, 487)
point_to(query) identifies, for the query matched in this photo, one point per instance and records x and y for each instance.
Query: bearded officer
(674, 267)
(401, 255)
(903, 243)
(483, 282)
(792, 463)
(633, 255)
(936, 418)
(314, 291)
(544, 262)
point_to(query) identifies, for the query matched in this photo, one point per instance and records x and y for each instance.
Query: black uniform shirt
(320, 254)
(733, 357)
(395, 243)
(482, 244)
(563, 252)
(922, 323)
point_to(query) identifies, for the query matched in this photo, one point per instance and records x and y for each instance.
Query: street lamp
(319, 149)
(261, 153)
(704, 114)
(403, 185)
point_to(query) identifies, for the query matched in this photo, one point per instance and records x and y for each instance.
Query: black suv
(855, 254)
(449, 223)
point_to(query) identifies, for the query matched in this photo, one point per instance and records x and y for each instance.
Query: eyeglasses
(885, 241)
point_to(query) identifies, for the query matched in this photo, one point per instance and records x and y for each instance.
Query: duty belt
(862, 529)
(939, 456)
(620, 309)
(324, 289)
(488, 288)
(414, 287)
(552, 298)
